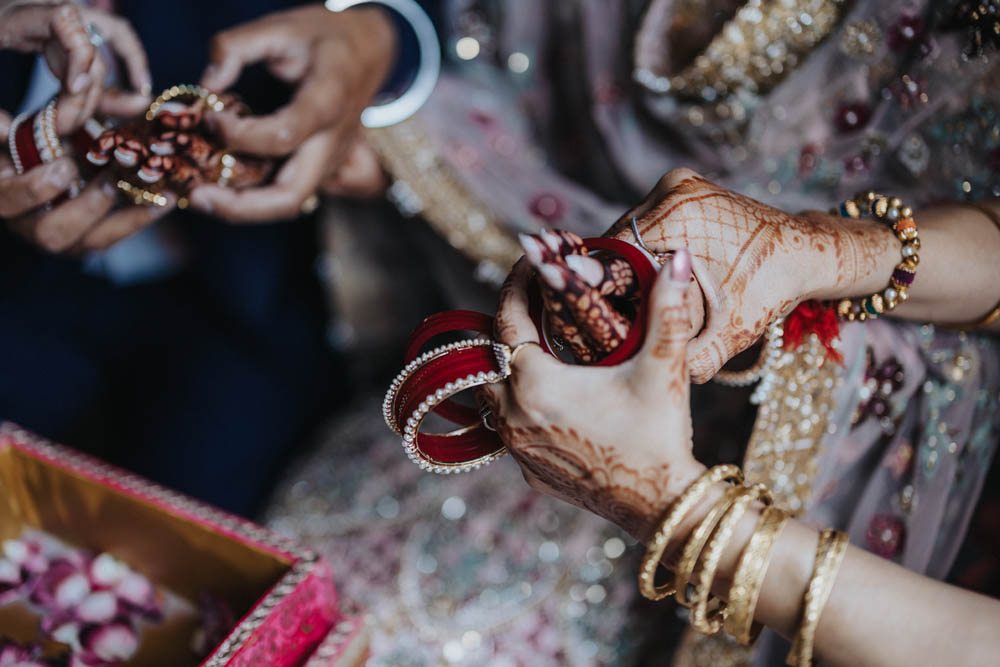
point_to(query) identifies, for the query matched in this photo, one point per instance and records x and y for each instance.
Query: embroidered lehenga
(558, 121)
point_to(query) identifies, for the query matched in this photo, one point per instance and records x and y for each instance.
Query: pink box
(282, 593)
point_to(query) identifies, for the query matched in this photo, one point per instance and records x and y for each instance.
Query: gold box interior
(176, 553)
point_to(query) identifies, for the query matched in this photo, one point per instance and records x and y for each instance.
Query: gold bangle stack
(749, 576)
(891, 211)
(677, 513)
(703, 551)
(701, 620)
(829, 555)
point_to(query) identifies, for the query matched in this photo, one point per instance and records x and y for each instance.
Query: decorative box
(282, 594)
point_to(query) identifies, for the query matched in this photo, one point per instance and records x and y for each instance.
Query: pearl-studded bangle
(430, 380)
(899, 218)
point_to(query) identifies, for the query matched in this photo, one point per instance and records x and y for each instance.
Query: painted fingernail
(551, 239)
(146, 87)
(680, 266)
(532, 248)
(552, 276)
(79, 83)
(588, 268)
(109, 189)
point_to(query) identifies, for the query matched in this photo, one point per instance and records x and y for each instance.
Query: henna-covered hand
(591, 301)
(754, 263)
(614, 440)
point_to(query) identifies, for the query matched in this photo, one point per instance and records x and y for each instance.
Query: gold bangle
(184, 90)
(749, 576)
(678, 511)
(892, 212)
(701, 619)
(995, 313)
(697, 540)
(829, 555)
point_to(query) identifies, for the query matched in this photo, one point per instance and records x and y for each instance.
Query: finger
(70, 31)
(297, 180)
(707, 356)
(661, 364)
(5, 121)
(62, 227)
(232, 50)
(603, 327)
(319, 102)
(121, 104)
(20, 194)
(360, 175)
(122, 224)
(125, 42)
(513, 322)
(315, 106)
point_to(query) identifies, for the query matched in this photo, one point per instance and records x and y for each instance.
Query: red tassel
(813, 317)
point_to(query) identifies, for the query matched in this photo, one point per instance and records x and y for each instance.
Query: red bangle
(429, 380)
(21, 143)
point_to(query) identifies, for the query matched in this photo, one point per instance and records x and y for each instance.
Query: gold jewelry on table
(184, 90)
(699, 537)
(891, 211)
(675, 515)
(829, 555)
(701, 620)
(310, 204)
(995, 313)
(751, 570)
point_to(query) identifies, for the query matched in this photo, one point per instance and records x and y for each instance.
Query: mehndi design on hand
(590, 301)
(176, 150)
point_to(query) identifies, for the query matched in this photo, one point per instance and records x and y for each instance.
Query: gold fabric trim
(426, 185)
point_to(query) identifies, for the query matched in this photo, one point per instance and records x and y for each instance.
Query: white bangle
(407, 104)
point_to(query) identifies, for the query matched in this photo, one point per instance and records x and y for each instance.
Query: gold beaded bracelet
(701, 619)
(892, 212)
(751, 570)
(678, 511)
(829, 555)
(184, 90)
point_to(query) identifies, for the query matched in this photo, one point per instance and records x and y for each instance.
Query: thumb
(662, 362)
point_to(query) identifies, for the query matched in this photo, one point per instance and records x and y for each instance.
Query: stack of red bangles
(33, 140)
(430, 379)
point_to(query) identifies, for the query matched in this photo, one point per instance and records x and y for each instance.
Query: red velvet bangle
(23, 150)
(467, 448)
(430, 379)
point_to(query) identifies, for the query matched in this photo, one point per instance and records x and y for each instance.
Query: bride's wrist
(854, 257)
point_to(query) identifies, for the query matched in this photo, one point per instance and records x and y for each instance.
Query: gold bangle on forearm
(699, 537)
(701, 620)
(991, 316)
(678, 511)
(751, 571)
(829, 555)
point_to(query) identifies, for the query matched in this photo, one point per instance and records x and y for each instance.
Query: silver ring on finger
(485, 413)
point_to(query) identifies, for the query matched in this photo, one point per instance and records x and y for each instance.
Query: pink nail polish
(532, 248)
(552, 276)
(587, 267)
(680, 266)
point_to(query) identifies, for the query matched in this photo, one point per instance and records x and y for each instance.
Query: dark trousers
(203, 381)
